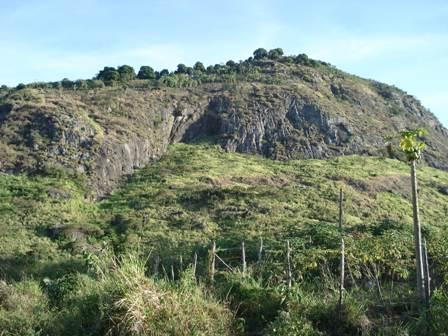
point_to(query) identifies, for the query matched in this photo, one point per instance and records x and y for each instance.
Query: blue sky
(404, 43)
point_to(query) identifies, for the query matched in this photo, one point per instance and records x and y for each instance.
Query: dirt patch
(276, 181)
(395, 184)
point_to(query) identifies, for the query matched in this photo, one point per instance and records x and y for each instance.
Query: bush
(292, 324)
(23, 309)
(256, 305)
(123, 301)
(311, 313)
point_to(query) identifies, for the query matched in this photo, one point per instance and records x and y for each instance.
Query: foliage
(317, 313)
(275, 53)
(126, 72)
(199, 66)
(197, 193)
(260, 53)
(108, 74)
(411, 145)
(253, 303)
(146, 72)
(116, 299)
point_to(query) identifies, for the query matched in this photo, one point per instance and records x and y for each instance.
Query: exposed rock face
(105, 134)
(295, 128)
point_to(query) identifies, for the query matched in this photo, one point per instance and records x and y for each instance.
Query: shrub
(256, 305)
(292, 324)
(312, 313)
(23, 309)
(121, 300)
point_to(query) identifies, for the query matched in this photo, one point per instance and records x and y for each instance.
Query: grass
(53, 266)
(200, 192)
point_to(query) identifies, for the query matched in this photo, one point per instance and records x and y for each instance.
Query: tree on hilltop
(126, 72)
(108, 74)
(146, 72)
(275, 53)
(260, 53)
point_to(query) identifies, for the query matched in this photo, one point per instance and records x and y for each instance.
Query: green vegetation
(257, 68)
(72, 266)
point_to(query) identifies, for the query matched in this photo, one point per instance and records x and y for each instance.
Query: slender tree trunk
(426, 273)
(417, 235)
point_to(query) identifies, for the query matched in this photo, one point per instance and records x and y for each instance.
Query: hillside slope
(54, 237)
(279, 109)
(200, 192)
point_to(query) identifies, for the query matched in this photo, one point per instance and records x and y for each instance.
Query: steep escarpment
(289, 111)
(297, 123)
(100, 137)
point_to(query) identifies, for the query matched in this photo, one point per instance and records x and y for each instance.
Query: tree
(189, 71)
(67, 83)
(126, 72)
(275, 53)
(198, 66)
(21, 86)
(181, 69)
(108, 74)
(231, 64)
(260, 53)
(412, 147)
(146, 72)
(163, 73)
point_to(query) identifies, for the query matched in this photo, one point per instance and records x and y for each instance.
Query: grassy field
(56, 242)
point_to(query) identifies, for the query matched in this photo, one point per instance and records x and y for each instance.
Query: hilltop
(281, 107)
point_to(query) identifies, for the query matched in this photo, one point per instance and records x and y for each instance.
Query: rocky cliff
(103, 134)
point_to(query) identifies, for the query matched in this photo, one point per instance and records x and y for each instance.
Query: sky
(403, 43)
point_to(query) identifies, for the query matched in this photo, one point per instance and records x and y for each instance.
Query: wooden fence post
(212, 263)
(172, 272)
(155, 269)
(288, 265)
(243, 258)
(195, 264)
(342, 267)
(260, 251)
(181, 264)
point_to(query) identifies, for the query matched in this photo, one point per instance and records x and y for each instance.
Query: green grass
(199, 193)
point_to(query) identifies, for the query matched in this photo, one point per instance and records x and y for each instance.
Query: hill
(113, 190)
(282, 108)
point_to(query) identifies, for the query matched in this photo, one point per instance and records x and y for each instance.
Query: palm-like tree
(412, 146)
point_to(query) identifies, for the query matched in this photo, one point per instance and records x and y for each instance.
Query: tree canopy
(260, 53)
(126, 72)
(146, 72)
(108, 74)
(411, 145)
